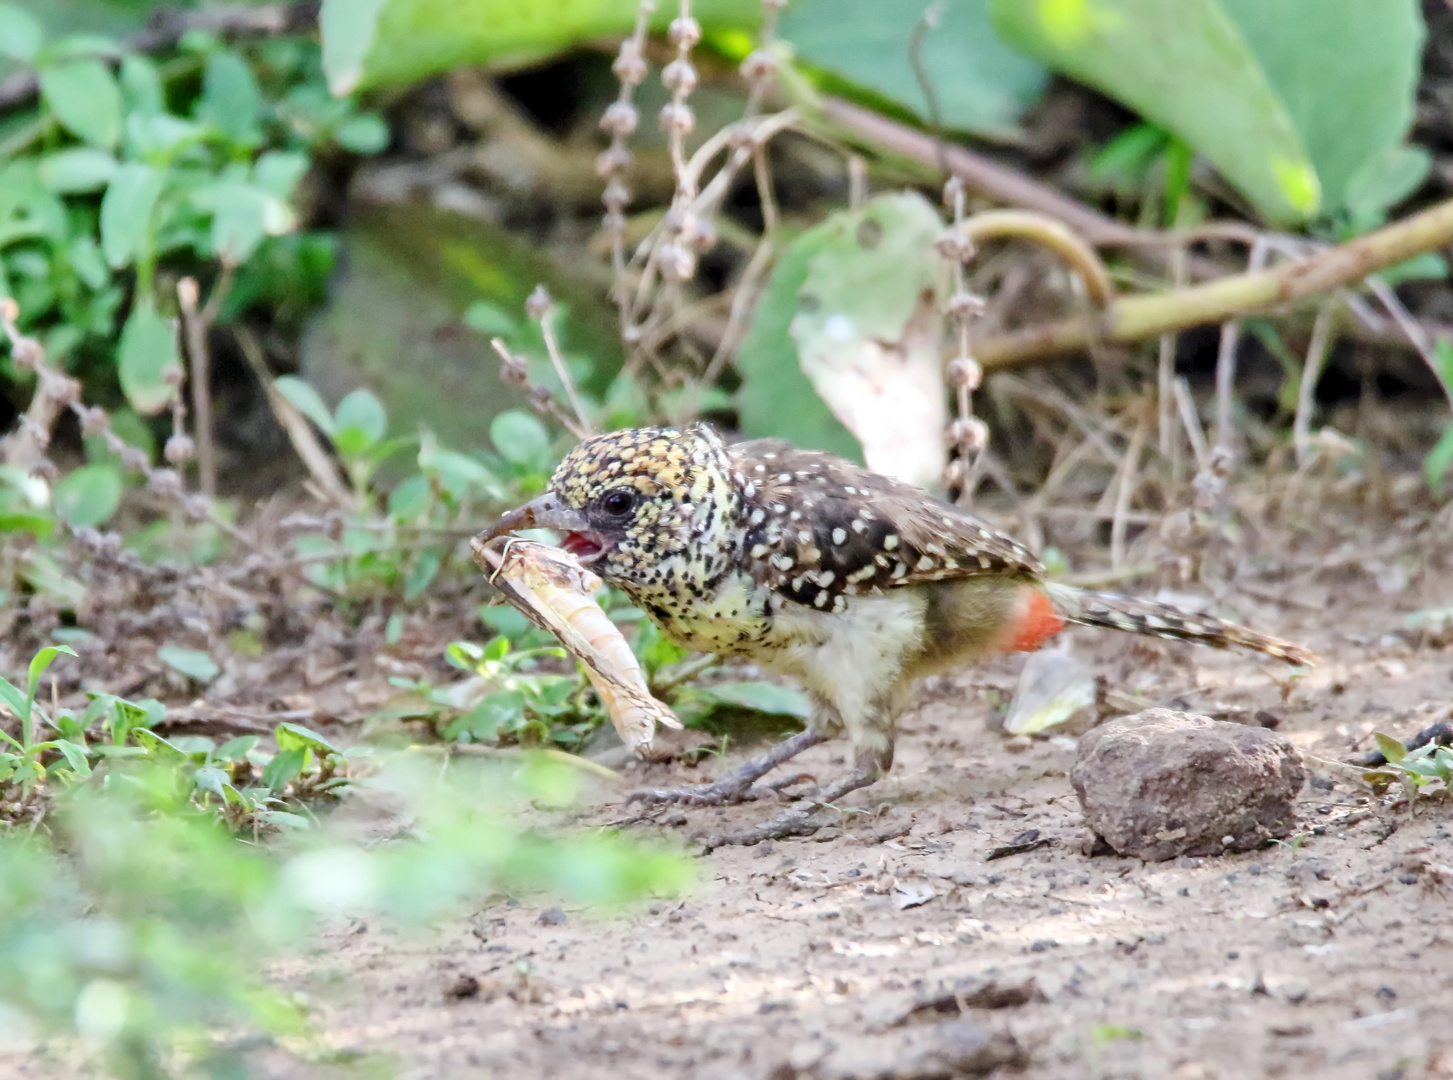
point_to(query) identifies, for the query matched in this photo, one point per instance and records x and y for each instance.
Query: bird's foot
(739, 785)
(803, 819)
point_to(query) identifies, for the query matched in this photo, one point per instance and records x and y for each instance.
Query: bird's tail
(1137, 616)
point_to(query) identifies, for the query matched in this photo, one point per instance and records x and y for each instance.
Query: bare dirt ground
(874, 949)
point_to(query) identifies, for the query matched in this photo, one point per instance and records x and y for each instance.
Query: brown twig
(986, 176)
(196, 327)
(1135, 318)
(1306, 393)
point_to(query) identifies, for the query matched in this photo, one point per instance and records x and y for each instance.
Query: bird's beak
(545, 512)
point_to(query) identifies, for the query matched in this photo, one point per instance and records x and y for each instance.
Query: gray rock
(1161, 784)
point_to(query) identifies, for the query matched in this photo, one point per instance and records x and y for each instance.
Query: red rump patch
(1033, 624)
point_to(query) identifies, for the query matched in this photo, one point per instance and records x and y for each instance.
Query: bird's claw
(717, 794)
(789, 823)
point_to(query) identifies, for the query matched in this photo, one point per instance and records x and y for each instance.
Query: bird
(853, 583)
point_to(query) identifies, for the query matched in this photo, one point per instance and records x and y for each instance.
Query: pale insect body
(554, 592)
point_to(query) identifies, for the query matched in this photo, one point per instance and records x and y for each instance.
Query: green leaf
(980, 83)
(483, 722)
(297, 737)
(243, 215)
(520, 438)
(126, 212)
(230, 100)
(489, 319)
(359, 423)
(458, 473)
(379, 42)
(1188, 68)
(147, 351)
(77, 171)
(283, 769)
(237, 749)
(75, 756)
(87, 497)
(307, 401)
(38, 664)
(1439, 461)
(20, 34)
(1391, 748)
(1346, 71)
(86, 100)
(423, 572)
(760, 696)
(776, 399)
(193, 663)
(278, 172)
(1384, 181)
(364, 133)
(1443, 350)
(14, 697)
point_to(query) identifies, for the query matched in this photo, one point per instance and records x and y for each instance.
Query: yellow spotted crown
(654, 461)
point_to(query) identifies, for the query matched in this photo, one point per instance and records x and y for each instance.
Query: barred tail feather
(1137, 616)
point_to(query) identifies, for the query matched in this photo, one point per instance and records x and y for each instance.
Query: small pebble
(553, 916)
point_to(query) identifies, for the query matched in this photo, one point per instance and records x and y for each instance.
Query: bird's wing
(820, 529)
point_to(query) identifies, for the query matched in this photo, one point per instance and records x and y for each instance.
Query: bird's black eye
(618, 503)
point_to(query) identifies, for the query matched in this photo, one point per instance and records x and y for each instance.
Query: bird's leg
(737, 785)
(812, 812)
(872, 734)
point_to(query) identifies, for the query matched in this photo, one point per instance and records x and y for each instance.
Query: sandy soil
(874, 949)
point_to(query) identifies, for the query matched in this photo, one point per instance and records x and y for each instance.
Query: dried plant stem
(552, 346)
(1226, 362)
(1191, 421)
(1136, 318)
(1409, 326)
(326, 478)
(1306, 393)
(196, 326)
(1127, 482)
(1165, 381)
(982, 174)
(1045, 231)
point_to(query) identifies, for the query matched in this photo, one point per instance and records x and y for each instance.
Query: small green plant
(1416, 769)
(24, 761)
(137, 921)
(242, 783)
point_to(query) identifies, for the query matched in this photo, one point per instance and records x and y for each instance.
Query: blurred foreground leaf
(1187, 67)
(981, 84)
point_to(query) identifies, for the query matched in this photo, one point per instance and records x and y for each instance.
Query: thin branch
(1135, 318)
(1226, 360)
(1128, 482)
(196, 325)
(1306, 393)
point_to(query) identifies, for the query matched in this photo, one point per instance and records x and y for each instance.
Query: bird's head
(639, 505)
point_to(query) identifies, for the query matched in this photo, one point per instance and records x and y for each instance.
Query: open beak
(548, 512)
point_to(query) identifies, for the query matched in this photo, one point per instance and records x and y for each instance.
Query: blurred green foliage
(137, 921)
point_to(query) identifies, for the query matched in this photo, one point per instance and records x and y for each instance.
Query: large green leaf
(378, 42)
(85, 98)
(980, 83)
(147, 351)
(1189, 68)
(776, 398)
(1347, 72)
